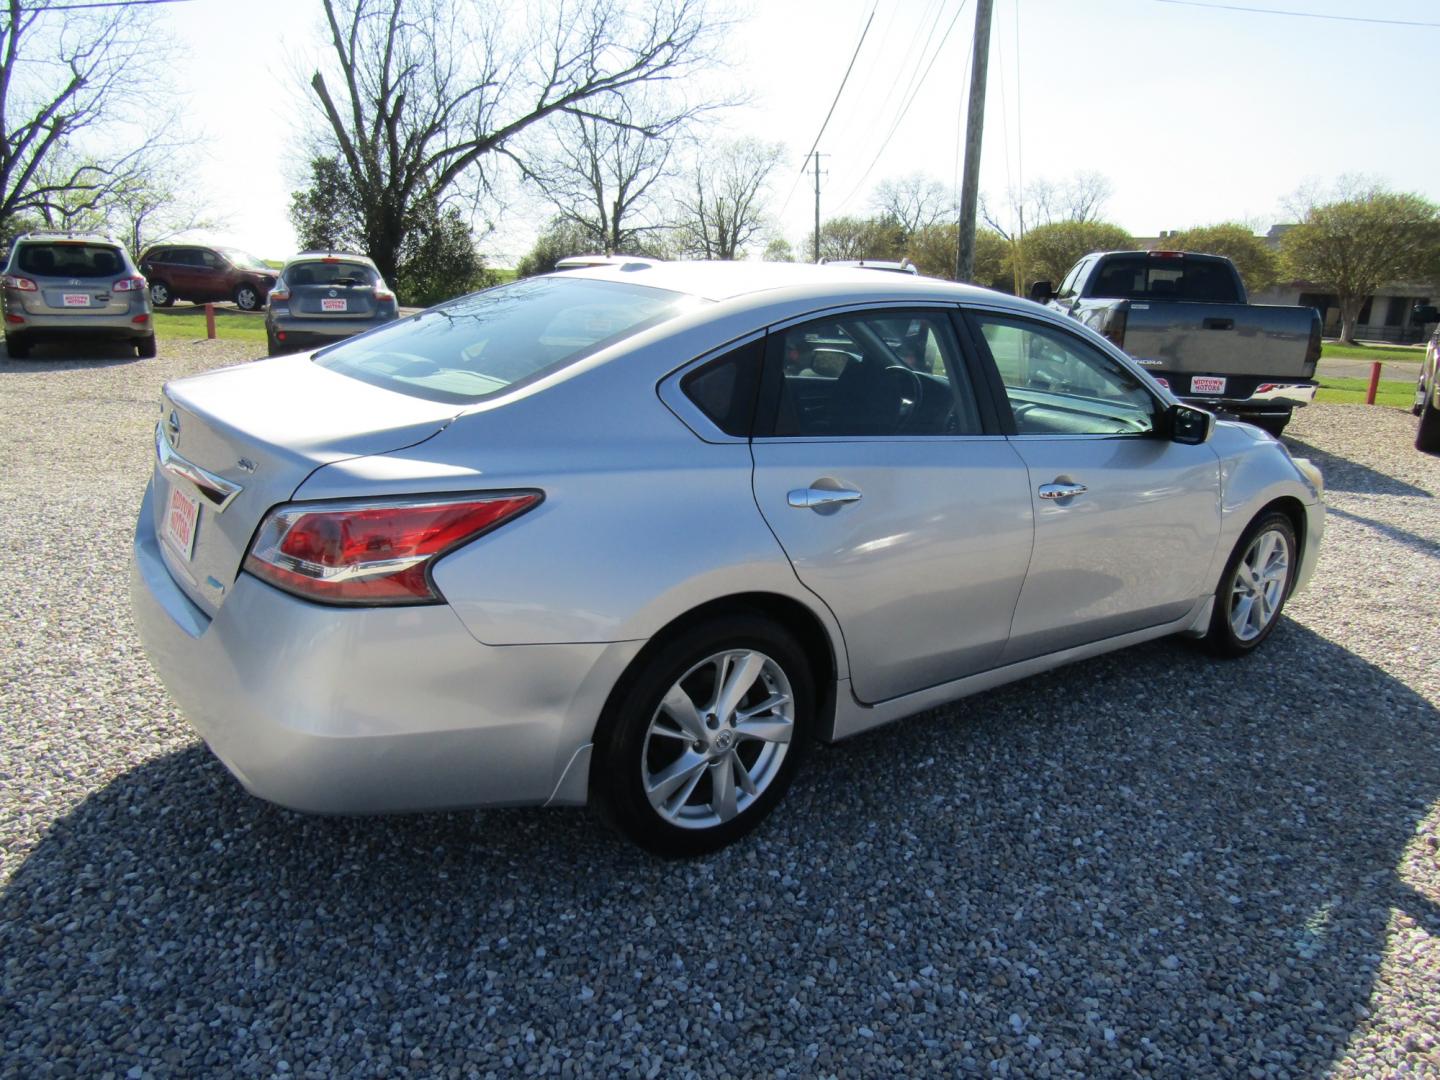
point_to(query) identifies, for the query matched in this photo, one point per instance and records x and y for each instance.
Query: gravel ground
(1151, 863)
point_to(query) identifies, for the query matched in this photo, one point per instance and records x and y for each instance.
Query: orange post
(210, 330)
(1374, 383)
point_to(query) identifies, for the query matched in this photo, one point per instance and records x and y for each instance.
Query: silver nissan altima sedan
(633, 535)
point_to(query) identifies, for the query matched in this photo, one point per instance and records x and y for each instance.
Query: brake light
(129, 284)
(1114, 328)
(1167, 254)
(24, 284)
(384, 294)
(370, 552)
(279, 294)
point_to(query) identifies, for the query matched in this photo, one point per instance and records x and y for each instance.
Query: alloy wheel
(718, 739)
(1259, 585)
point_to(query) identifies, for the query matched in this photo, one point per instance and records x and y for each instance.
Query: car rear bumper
(369, 710)
(1249, 395)
(302, 332)
(40, 327)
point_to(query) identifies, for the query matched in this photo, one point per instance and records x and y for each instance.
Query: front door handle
(813, 497)
(1061, 491)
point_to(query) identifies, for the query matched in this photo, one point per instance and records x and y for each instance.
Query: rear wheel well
(794, 616)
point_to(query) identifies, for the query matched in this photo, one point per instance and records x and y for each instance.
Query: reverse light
(24, 284)
(373, 552)
(129, 284)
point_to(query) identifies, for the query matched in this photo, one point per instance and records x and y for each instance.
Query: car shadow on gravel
(1149, 861)
(1343, 474)
(70, 355)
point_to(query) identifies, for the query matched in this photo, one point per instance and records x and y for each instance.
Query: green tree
(1252, 256)
(1049, 251)
(1361, 241)
(847, 238)
(779, 250)
(932, 250)
(326, 214)
(438, 260)
(562, 239)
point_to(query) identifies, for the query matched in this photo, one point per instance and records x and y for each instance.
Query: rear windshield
(71, 260)
(1146, 277)
(330, 273)
(480, 345)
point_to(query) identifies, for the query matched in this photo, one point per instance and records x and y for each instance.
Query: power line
(1297, 14)
(853, 57)
(906, 108)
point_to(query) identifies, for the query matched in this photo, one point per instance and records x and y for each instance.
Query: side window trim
(942, 313)
(691, 415)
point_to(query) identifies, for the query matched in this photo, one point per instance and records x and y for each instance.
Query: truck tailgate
(1238, 339)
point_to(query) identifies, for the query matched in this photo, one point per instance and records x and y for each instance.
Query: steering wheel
(910, 392)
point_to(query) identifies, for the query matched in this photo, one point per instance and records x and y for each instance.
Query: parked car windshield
(482, 344)
(243, 259)
(328, 272)
(76, 260)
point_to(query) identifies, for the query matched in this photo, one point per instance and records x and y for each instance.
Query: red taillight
(279, 294)
(129, 284)
(24, 284)
(1114, 328)
(140, 319)
(1167, 254)
(14, 318)
(384, 294)
(372, 553)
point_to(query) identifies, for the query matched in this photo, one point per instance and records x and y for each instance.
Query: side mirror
(1190, 425)
(1429, 313)
(1040, 291)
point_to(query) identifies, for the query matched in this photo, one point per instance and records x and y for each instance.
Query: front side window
(881, 373)
(1058, 384)
(243, 259)
(480, 345)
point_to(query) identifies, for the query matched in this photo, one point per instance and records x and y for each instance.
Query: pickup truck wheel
(1254, 587)
(1427, 437)
(699, 745)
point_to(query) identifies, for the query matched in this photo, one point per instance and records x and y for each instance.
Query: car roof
(735, 280)
(316, 256)
(66, 238)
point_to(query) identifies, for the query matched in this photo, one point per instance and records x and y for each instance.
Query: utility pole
(974, 128)
(817, 206)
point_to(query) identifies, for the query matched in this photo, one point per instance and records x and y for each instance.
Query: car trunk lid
(232, 444)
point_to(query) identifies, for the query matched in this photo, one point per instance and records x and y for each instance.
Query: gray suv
(61, 285)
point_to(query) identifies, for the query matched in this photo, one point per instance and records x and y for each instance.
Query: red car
(202, 274)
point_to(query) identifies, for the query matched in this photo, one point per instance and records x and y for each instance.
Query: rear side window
(70, 260)
(726, 389)
(483, 344)
(331, 272)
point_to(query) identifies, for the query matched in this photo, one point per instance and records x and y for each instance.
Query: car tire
(670, 753)
(160, 294)
(145, 348)
(1256, 583)
(248, 298)
(1427, 435)
(17, 347)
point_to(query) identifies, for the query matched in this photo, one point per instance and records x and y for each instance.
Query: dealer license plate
(182, 518)
(334, 305)
(1207, 384)
(75, 299)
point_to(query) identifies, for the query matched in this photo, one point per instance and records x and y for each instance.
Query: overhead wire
(1297, 14)
(939, 48)
(826, 123)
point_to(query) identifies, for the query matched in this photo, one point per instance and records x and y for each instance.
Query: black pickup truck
(1184, 316)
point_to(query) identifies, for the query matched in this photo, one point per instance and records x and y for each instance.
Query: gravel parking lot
(1151, 863)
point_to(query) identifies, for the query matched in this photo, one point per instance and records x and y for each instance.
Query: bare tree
(420, 94)
(64, 72)
(913, 202)
(1080, 198)
(605, 179)
(859, 238)
(723, 209)
(154, 203)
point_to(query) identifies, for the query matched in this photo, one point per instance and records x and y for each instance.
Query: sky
(1195, 112)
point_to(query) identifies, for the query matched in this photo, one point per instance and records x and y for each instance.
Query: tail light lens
(129, 284)
(24, 284)
(1114, 328)
(384, 294)
(280, 294)
(372, 552)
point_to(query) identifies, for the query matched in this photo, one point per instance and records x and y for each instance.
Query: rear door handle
(1061, 491)
(813, 497)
